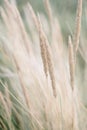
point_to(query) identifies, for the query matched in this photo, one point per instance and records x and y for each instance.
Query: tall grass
(38, 88)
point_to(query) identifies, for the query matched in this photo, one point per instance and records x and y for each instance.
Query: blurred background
(64, 9)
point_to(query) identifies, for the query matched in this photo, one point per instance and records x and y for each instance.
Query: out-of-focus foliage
(65, 9)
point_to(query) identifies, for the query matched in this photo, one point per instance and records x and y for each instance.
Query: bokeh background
(64, 9)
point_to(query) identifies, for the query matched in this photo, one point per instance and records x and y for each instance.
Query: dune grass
(38, 80)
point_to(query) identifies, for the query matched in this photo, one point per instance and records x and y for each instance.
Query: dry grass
(40, 91)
